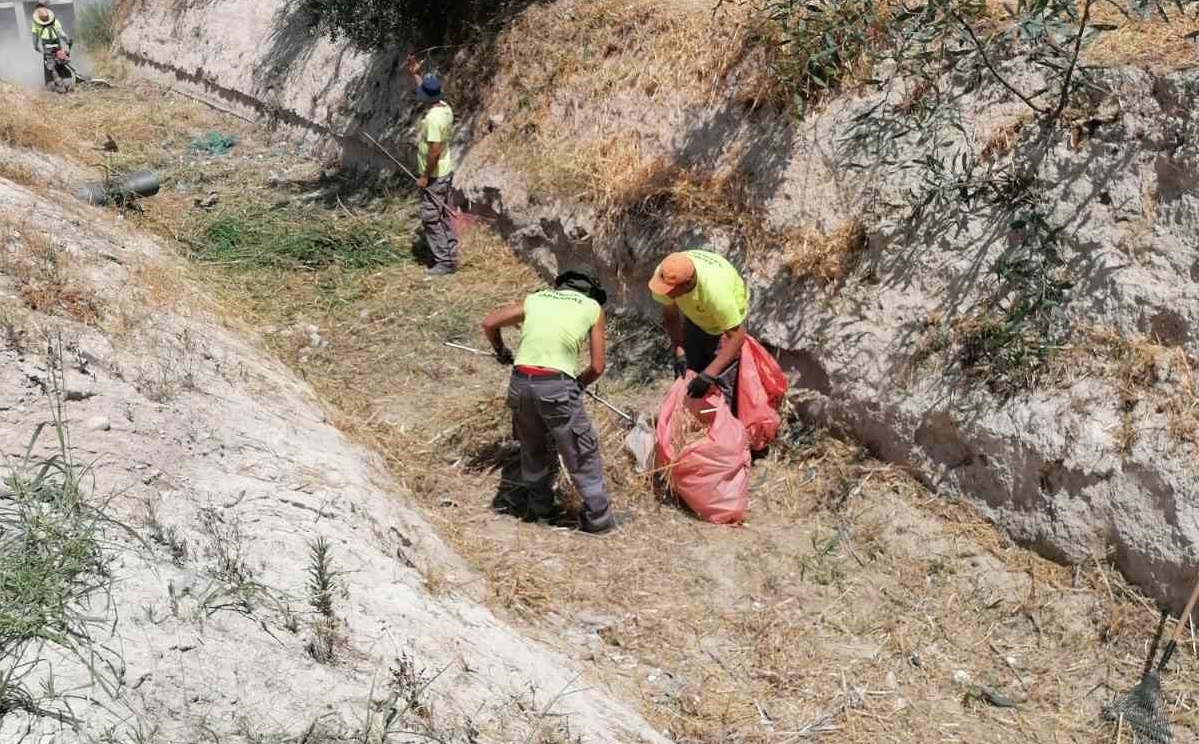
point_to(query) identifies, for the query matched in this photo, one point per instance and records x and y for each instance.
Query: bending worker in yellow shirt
(546, 397)
(705, 306)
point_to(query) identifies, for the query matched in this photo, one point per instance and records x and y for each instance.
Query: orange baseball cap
(676, 269)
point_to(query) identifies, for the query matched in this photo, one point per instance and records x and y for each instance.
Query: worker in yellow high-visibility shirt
(435, 171)
(705, 304)
(545, 393)
(51, 40)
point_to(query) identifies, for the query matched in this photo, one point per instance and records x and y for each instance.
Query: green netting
(214, 144)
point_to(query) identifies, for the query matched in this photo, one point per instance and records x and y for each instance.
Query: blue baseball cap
(429, 90)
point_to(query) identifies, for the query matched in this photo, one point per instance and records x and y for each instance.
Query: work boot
(540, 510)
(440, 270)
(600, 525)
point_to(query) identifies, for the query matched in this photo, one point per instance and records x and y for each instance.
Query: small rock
(98, 423)
(891, 681)
(961, 677)
(596, 619)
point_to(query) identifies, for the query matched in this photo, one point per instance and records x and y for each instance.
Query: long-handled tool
(590, 394)
(1142, 710)
(456, 215)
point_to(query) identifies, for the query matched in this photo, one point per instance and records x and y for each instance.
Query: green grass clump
(54, 579)
(97, 25)
(298, 239)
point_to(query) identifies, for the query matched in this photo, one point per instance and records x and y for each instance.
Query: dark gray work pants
(548, 420)
(701, 349)
(443, 243)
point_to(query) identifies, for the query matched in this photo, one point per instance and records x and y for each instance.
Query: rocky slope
(1095, 461)
(224, 472)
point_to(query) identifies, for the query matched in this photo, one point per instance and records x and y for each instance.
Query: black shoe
(440, 270)
(609, 522)
(540, 511)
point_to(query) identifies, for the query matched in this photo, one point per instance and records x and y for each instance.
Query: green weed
(822, 566)
(54, 575)
(322, 578)
(97, 25)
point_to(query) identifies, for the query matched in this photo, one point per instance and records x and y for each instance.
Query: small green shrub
(97, 25)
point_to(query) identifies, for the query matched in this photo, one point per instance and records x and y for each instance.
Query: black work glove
(700, 386)
(680, 366)
(504, 356)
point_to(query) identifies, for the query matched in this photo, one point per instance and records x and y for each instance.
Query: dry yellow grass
(556, 55)
(826, 257)
(44, 274)
(1154, 43)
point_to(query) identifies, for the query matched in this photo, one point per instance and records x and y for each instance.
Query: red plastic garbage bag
(761, 386)
(710, 473)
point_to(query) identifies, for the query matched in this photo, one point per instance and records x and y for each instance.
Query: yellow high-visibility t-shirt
(557, 324)
(52, 32)
(437, 126)
(720, 300)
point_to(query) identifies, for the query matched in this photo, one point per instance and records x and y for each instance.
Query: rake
(591, 394)
(458, 219)
(1143, 710)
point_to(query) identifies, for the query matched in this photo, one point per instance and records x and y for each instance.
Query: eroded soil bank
(855, 605)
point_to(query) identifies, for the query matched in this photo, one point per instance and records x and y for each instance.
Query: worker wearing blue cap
(435, 171)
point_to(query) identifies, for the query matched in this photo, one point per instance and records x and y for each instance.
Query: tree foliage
(377, 24)
(926, 62)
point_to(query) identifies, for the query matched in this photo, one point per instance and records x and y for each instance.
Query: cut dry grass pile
(1157, 43)
(23, 125)
(686, 428)
(827, 257)
(853, 604)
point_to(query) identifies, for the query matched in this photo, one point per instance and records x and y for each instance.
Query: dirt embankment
(854, 605)
(258, 577)
(611, 133)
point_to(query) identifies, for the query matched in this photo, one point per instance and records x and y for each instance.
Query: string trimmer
(1143, 709)
(590, 394)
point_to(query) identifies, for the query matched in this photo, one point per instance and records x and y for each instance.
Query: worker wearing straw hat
(545, 394)
(49, 38)
(705, 307)
(435, 171)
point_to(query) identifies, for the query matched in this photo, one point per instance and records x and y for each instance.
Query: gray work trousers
(548, 420)
(701, 349)
(443, 243)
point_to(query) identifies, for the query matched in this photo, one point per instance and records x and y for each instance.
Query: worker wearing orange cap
(705, 306)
